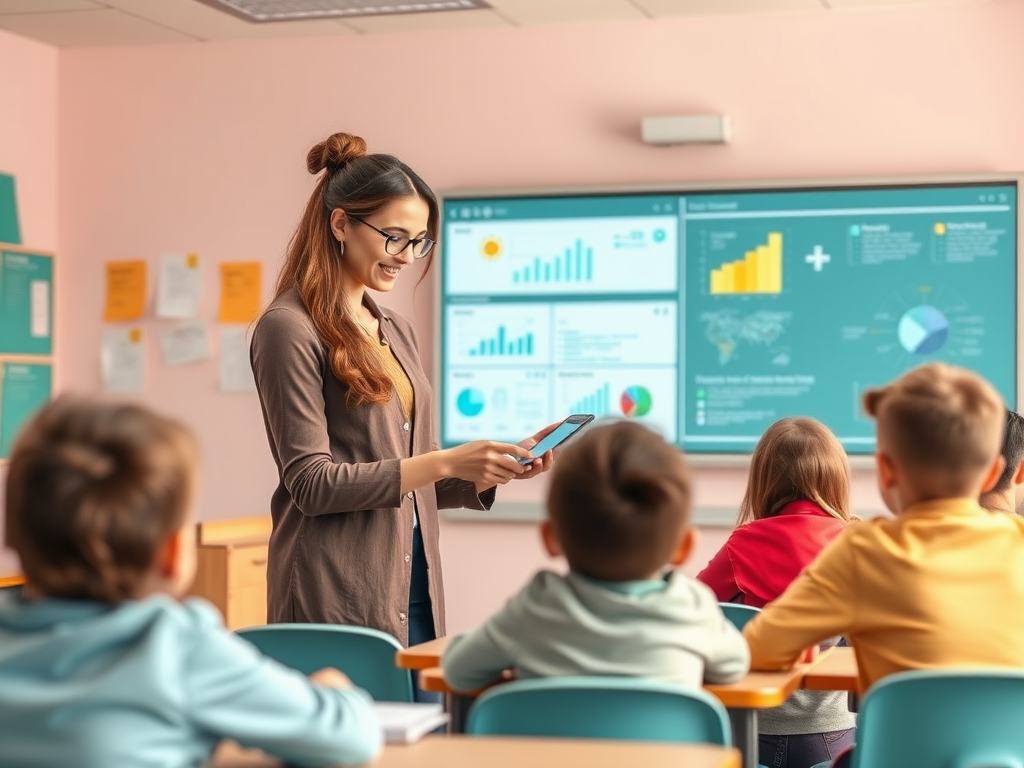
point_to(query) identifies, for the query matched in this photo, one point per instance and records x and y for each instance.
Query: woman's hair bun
(335, 151)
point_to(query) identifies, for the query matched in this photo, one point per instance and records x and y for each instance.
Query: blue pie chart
(470, 402)
(923, 330)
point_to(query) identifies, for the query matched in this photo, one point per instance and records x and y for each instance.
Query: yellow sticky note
(240, 291)
(135, 335)
(126, 290)
(192, 260)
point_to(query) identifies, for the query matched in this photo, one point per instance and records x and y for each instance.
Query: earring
(341, 247)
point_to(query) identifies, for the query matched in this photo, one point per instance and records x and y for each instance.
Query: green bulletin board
(26, 302)
(10, 232)
(24, 389)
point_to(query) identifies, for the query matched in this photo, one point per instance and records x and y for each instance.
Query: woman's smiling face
(365, 261)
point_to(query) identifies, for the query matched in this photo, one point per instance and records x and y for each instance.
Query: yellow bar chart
(759, 271)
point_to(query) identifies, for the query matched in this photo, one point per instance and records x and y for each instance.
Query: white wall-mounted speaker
(686, 129)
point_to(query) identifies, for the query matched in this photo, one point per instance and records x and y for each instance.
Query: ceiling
(92, 23)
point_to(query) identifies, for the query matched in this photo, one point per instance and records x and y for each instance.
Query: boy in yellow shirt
(942, 583)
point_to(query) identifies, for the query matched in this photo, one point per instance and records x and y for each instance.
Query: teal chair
(600, 708)
(949, 718)
(367, 656)
(738, 614)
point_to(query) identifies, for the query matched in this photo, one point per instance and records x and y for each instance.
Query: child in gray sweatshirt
(619, 511)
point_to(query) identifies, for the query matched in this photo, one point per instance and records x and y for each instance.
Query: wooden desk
(742, 699)
(10, 571)
(11, 580)
(231, 560)
(493, 752)
(834, 670)
(422, 656)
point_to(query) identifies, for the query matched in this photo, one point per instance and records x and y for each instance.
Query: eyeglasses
(395, 244)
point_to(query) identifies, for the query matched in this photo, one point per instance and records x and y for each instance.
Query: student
(797, 501)
(101, 667)
(619, 511)
(942, 583)
(1007, 494)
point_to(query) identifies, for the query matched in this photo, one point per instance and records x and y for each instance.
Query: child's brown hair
(940, 418)
(92, 492)
(619, 501)
(797, 459)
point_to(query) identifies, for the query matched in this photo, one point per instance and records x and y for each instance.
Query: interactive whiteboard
(708, 314)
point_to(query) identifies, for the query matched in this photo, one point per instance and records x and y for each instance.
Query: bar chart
(501, 344)
(597, 403)
(576, 265)
(759, 271)
(563, 257)
(502, 335)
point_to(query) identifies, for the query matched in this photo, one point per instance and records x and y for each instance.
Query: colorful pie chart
(923, 330)
(470, 402)
(635, 402)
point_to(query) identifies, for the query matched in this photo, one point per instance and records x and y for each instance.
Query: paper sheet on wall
(39, 325)
(240, 291)
(185, 343)
(180, 286)
(123, 360)
(235, 370)
(126, 290)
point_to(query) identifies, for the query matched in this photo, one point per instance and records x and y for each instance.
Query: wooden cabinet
(232, 568)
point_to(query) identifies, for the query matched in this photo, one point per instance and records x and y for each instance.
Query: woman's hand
(486, 463)
(541, 463)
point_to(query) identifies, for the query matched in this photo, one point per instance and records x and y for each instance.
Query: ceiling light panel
(292, 10)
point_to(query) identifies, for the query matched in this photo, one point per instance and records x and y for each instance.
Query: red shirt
(762, 557)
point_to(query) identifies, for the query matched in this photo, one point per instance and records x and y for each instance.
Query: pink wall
(200, 148)
(28, 148)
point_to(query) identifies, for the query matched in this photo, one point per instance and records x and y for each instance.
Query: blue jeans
(421, 611)
(803, 750)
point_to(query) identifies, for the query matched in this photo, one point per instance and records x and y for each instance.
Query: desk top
(10, 570)
(494, 752)
(834, 670)
(755, 691)
(422, 656)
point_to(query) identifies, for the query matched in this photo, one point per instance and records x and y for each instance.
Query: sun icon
(491, 248)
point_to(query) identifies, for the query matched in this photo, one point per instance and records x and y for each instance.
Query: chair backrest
(738, 614)
(949, 718)
(367, 656)
(600, 708)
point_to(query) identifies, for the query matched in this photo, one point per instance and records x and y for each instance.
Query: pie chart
(635, 401)
(470, 402)
(923, 330)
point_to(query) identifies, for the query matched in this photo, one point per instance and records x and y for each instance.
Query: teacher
(347, 407)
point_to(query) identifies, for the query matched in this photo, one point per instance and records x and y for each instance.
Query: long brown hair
(361, 185)
(797, 459)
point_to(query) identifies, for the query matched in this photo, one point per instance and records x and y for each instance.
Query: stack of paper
(407, 723)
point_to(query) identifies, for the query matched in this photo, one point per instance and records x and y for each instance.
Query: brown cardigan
(341, 548)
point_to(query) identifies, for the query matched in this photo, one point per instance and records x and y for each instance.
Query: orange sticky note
(126, 290)
(240, 291)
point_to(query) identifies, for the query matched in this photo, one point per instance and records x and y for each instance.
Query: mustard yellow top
(397, 374)
(941, 585)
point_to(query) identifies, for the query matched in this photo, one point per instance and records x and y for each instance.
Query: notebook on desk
(406, 723)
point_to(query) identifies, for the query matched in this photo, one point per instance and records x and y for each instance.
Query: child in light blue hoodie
(100, 665)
